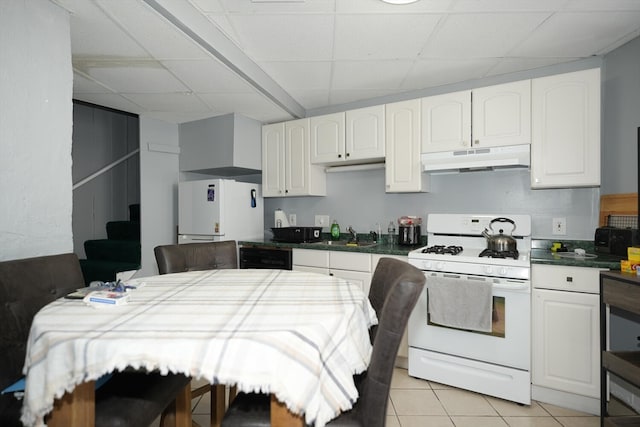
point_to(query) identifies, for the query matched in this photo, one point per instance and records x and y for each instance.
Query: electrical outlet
(322, 221)
(292, 219)
(559, 226)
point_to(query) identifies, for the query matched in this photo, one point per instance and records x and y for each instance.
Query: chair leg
(178, 413)
(217, 404)
(233, 391)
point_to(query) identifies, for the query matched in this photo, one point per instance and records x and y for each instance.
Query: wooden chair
(395, 289)
(195, 257)
(128, 399)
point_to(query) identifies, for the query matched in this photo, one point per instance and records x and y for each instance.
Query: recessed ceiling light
(399, 1)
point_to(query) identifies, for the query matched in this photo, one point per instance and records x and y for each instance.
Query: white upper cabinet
(446, 122)
(502, 114)
(403, 171)
(565, 150)
(499, 115)
(365, 138)
(356, 136)
(327, 138)
(286, 166)
(273, 159)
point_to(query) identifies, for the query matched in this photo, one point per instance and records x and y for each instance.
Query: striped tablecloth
(298, 335)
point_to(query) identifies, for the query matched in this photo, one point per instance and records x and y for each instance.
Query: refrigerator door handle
(253, 197)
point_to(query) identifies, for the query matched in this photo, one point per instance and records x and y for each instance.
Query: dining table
(299, 336)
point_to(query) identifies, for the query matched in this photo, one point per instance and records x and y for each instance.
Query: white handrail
(105, 169)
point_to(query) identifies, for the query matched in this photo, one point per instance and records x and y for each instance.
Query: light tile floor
(419, 403)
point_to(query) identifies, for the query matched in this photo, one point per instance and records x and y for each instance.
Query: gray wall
(621, 119)
(35, 129)
(100, 137)
(159, 150)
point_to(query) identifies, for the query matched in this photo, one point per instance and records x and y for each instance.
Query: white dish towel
(459, 303)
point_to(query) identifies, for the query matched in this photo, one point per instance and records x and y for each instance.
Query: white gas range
(495, 361)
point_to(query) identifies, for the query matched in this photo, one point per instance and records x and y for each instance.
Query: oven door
(509, 342)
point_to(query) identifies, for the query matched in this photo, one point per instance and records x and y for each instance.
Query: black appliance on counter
(266, 258)
(297, 234)
(615, 241)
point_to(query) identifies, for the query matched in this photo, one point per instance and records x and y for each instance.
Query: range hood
(514, 156)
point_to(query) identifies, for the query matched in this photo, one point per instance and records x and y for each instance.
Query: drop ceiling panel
(512, 65)
(603, 5)
(370, 74)
(299, 74)
(286, 37)
(251, 105)
(579, 34)
(207, 76)
(310, 98)
(81, 84)
(431, 73)
(306, 6)
(523, 6)
(376, 6)
(481, 35)
(168, 102)
(382, 36)
(152, 31)
(137, 78)
(95, 34)
(338, 96)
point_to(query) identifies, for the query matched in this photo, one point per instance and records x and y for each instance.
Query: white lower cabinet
(566, 337)
(355, 267)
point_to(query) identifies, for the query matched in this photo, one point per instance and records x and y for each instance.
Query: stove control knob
(503, 271)
(439, 265)
(426, 265)
(488, 270)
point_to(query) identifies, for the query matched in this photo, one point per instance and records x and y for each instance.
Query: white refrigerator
(219, 209)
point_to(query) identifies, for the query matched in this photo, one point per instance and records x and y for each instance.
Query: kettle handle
(503, 219)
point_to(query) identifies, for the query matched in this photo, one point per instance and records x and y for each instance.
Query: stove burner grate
(443, 250)
(490, 253)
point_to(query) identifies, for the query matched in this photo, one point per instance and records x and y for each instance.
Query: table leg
(76, 408)
(281, 416)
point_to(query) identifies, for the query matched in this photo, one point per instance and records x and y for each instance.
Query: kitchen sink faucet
(354, 236)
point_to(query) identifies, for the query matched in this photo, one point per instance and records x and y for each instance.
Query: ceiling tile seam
(295, 110)
(120, 25)
(516, 45)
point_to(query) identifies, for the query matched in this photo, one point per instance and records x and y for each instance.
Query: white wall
(159, 172)
(35, 129)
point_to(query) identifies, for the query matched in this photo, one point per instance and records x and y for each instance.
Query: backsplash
(358, 199)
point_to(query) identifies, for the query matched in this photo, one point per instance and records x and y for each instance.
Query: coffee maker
(409, 230)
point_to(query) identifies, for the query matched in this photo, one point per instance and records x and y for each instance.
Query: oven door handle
(512, 286)
(507, 285)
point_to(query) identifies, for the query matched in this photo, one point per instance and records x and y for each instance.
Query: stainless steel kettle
(500, 242)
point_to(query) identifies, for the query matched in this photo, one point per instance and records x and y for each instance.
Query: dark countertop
(540, 252)
(379, 248)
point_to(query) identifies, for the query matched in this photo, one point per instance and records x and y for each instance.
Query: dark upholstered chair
(395, 289)
(130, 399)
(197, 256)
(194, 257)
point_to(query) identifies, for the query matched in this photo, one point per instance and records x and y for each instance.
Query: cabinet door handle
(347, 155)
(569, 279)
(339, 156)
(476, 142)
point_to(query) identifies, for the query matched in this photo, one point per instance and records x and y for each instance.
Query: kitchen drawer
(311, 258)
(566, 278)
(350, 261)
